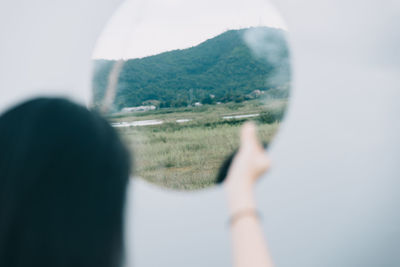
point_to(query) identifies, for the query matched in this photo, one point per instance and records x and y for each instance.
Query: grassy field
(187, 156)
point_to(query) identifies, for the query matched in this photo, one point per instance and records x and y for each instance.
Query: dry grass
(188, 156)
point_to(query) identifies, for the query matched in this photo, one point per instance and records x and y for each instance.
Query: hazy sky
(147, 27)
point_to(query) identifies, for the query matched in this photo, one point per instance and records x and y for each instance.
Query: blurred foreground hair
(63, 177)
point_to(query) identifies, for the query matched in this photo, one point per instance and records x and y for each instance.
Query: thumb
(248, 136)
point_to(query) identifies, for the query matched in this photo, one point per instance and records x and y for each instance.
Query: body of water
(158, 122)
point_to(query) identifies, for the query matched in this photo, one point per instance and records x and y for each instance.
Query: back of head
(63, 176)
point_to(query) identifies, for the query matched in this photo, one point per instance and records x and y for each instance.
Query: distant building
(138, 109)
(255, 94)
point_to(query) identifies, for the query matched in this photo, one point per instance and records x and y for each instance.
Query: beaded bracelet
(243, 214)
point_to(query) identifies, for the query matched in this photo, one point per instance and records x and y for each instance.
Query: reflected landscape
(180, 110)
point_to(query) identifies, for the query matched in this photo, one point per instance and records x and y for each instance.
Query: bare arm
(249, 246)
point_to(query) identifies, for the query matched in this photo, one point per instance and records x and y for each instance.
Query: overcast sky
(146, 27)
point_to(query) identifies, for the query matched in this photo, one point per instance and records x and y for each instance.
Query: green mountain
(228, 67)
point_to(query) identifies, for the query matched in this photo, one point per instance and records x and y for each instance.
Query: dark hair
(63, 177)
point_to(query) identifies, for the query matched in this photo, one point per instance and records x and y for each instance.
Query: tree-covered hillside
(228, 67)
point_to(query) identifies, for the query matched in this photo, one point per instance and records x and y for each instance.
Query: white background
(332, 196)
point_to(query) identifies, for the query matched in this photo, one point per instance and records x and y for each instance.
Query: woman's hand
(248, 165)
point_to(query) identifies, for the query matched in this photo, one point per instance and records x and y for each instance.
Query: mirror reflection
(178, 81)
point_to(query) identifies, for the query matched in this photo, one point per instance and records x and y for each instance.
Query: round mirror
(177, 78)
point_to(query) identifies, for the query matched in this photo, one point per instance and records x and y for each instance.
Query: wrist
(240, 199)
